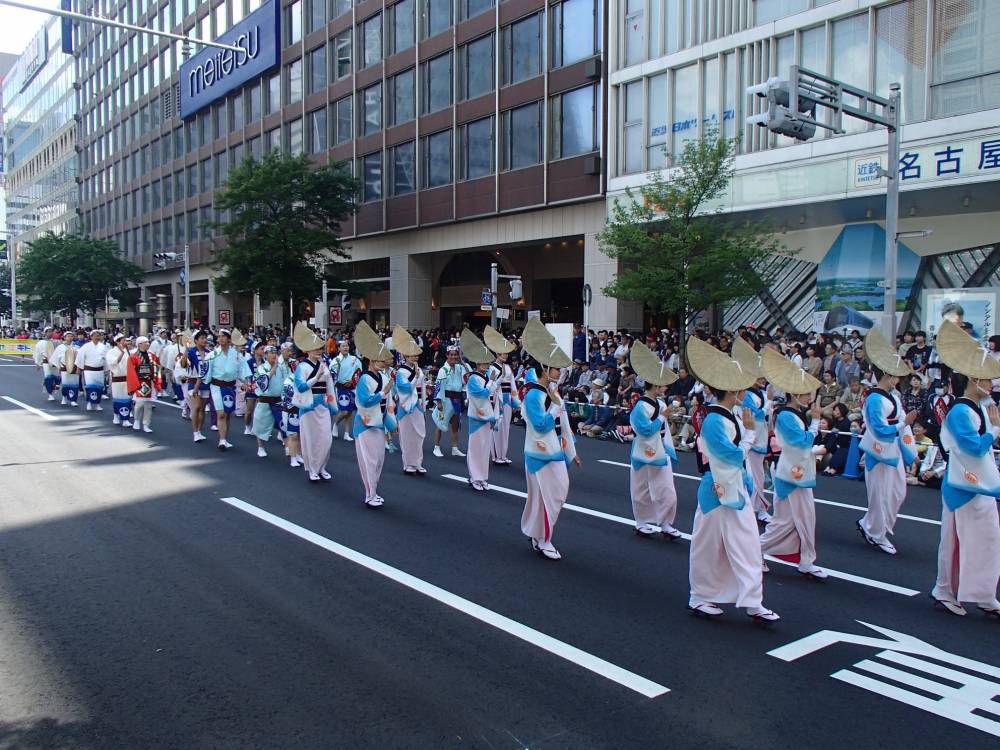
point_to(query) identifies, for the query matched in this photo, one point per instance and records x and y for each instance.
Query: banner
(19, 347)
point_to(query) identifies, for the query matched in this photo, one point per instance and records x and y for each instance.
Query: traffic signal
(779, 117)
(515, 289)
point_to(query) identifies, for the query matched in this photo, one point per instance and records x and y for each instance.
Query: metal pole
(891, 216)
(187, 286)
(13, 287)
(118, 24)
(493, 294)
(256, 310)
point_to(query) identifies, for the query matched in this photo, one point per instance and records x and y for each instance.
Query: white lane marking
(595, 664)
(17, 365)
(873, 583)
(834, 503)
(32, 409)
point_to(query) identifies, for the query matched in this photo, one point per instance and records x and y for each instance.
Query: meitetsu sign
(214, 72)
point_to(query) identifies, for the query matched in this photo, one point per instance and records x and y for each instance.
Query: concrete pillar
(212, 305)
(598, 271)
(411, 278)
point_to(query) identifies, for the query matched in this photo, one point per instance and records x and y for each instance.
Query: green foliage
(69, 272)
(284, 226)
(677, 254)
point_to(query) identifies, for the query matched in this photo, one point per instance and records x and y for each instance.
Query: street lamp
(185, 276)
(13, 278)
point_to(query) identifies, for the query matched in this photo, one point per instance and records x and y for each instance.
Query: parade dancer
(791, 534)
(545, 454)
(316, 400)
(63, 359)
(268, 383)
(348, 369)
(290, 412)
(409, 387)
(726, 565)
(756, 401)
(90, 361)
(143, 383)
(226, 369)
(42, 353)
(370, 422)
(887, 443)
(651, 475)
(195, 362)
(506, 398)
(449, 400)
(969, 552)
(121, 401)
(479, 389)
(254, 361)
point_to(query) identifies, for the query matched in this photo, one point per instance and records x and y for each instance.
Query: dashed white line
(588, 661)
(38, 412)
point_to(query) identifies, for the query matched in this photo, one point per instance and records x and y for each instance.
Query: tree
(69, 272)
(284, 225)
(677, 254)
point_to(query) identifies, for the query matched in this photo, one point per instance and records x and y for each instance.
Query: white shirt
(90, 355)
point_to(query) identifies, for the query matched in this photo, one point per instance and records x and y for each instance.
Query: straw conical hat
(369, 345)
(404, 343)
(963, 354)
(786, 375)
(715, 369)
(495, 341)
(238, 338)
(749, 359)
(187, 338)
(649, 367)
(473, 349)
(306, 339)
(881, 354)
(542, 346)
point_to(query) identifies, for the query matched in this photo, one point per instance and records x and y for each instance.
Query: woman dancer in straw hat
(888, 444)
(479, 389)
(969, 553)
(651, 476)
(317, 400)
(726, 565)
(505, 399)
(370, 422)
(409, 386)
(791, 534)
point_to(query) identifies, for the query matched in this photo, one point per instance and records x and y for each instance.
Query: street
(156, 593)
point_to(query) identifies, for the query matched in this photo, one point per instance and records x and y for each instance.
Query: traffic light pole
(891, 216)
(493, 294)
(187, 286)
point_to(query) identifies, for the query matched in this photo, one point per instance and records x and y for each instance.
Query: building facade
(39, 158)
(681, 67)
(476, 130)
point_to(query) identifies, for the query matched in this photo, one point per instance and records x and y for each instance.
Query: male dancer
(449, 396)
(63, 359)
(195, 361)
(226, 368)
(409, 388)
(44, 348)
(545, 454)
(348, 369)
(270, 378)
(370, 422)
(651, 476)
(726, 565)
(479, 391)
(90, 360)
(254, 360)
(969, 553)
(316, 402)
(143, 383)
(121, 402)
(791, 534)
(506, 397)
(887, 443)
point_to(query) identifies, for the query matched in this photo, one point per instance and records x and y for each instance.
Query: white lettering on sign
(964, 691)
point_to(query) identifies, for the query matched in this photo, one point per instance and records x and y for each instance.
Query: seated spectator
(930, 470)
(586, 376)
(936, 407)
(852, 398)
(600, 419)
(840, 426)
(914, 397)
(681, 388)
(922, 442)
(828, 393)
(688, 435)
(623, 432)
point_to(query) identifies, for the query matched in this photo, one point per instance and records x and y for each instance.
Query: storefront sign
(17, 347)
(225, 317)
(965, 158)
(336, 316)
(979, 307)
(213, 72)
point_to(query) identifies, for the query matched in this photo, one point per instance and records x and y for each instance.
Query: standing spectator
(579, 344)
(919, 355)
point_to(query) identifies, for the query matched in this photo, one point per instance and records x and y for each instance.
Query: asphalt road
(155, 593)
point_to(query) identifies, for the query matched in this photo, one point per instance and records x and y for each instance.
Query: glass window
(685, 108)
(632, 132)
(436, 83)
(344, 120)
(522, 136)
(575, 31)
(812, 49)
(635, 30)
(900, 55)
(239, 113)
(575, 123)
(729, 95)
(435, 17)
(522, 49)
(273, 140)
(372, 114)
(371, 177)
(402, 26)
(293, 82)
(472, 8)
(343, 63)
(850, 60)
(339, 8)
(274, 93)
(370, 40)
(205, 175)
(475, 149)
(293, 23)
(317, 131)
(315, 15)
(476, 69)
(437, 159)
(710, 94)
(402, 175)
(771, 10)
(401, 102)
(317, 69)
(293, 136)
(253, 100)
